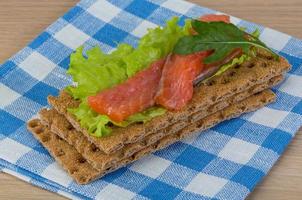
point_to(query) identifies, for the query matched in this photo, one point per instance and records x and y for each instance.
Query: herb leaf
(221, 37)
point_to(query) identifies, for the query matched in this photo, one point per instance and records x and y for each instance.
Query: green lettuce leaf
(97, 125)
(156, 44)
(99, 71)
(234, 62)
(93, 122)
(144, 116)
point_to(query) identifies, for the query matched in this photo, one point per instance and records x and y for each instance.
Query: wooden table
(22, 20)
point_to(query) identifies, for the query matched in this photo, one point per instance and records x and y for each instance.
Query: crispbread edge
(99, 160)
(64, 153)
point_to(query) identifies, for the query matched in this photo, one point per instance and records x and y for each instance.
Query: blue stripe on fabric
(248, 177)
(114, 175)
(120, 3)
(110, 35)
(141, 8)
(40, 92)
(9, 123)
(194, 158)
(229, 127)
(160, 191)
(73, 13)
(39, 40)
(298, 107)
(6, 68)
(277, 140)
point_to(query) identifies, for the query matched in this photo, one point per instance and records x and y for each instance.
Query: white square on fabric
(142, 28)
(151, 166)
(274, 39)
(178, 6)
(114, 192)
(292, 85)
(55, 173)
(206, 185)
(8, 95)
(104, 10)
(11, 150)
(268, 117)
(37, 65)
(71, 37)
(238, 151)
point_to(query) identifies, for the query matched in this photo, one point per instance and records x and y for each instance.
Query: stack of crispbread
(242, 89)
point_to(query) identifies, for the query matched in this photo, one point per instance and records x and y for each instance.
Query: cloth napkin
(225, 162)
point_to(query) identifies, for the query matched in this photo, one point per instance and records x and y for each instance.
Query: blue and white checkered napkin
(225, 162)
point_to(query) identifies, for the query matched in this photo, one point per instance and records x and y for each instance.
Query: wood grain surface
(22, 20)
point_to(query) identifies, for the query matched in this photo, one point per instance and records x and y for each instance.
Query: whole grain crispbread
(66, 155)
(235, 80)
(72, 161)
(99, 160)
(83, 172)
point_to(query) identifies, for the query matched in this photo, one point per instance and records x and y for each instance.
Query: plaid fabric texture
(225, 162)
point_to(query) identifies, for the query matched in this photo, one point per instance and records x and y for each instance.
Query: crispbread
(238, 79)
(83, 172)
(99, 160)
(65, 154)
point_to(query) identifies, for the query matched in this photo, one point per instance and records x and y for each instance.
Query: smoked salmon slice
(176, 84)
(134, 95)
(215, 18)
